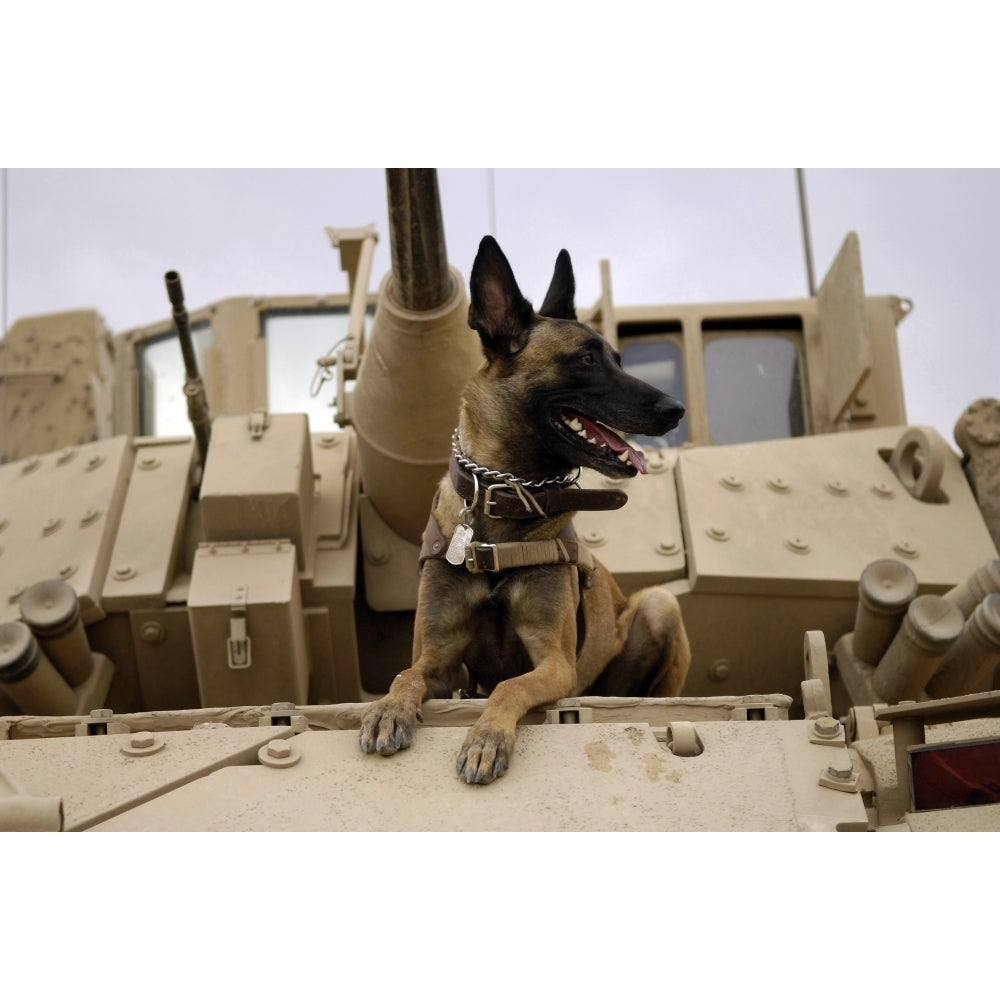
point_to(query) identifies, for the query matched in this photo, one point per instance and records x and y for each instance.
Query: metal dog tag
(456, 547)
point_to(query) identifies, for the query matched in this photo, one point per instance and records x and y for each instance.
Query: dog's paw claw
(386, 729)
(484, 758)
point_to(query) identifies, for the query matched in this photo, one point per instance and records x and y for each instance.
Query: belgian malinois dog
(507, 596)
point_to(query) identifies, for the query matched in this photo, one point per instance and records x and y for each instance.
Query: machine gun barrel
(194, 387)
(423, 279)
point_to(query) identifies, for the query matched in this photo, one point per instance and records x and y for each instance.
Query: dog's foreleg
(388, 725)
(550, 641)
(440, 637)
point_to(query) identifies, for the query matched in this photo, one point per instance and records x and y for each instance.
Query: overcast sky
(103, 238)
(718, 83)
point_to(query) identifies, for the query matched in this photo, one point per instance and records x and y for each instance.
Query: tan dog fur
(518, 632)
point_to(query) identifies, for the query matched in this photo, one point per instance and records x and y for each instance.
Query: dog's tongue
(618, 445)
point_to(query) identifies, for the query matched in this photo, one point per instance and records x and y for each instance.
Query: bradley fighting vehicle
(194, 614)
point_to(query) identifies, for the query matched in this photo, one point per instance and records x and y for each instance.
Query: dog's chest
(496, 652)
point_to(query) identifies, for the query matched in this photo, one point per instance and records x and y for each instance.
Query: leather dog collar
(505, 498)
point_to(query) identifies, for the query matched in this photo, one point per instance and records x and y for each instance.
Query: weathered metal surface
(60, 514)
(751, 776)
(806, 516)
(106, 781)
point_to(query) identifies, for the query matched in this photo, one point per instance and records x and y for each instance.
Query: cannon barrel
(422, 280)
(418, 356)
(194, 387)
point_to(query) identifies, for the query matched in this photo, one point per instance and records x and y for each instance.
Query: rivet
(66, 455)
(141, 740)
(797, 544)
(837, 488)
(377, 554)
(94, 462)
(668, 547)
(52, 525)
(731, 482)
(717, 532)
(329, 441)
(719, 670)
(65, 572)
(655, 462)
(779, 484)
(594, 537)
(149, 463)
(124, 572)
(30, 465)
(906, 549)
(152, 633)
(279, 748)
(90, 515)
(884, 490)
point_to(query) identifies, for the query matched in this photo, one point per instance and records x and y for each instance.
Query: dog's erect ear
(558, 302)
(498, 311)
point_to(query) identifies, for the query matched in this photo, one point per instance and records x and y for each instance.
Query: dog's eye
(587, 359)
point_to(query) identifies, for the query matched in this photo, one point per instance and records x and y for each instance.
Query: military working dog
(509, 603)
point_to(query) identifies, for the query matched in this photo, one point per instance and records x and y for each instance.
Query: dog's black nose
(669, 411)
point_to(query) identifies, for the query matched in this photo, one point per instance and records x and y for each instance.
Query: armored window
(296, 339)
(162, 404)
(656, 359)
(753, 386)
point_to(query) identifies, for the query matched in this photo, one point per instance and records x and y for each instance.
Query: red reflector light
(947, 775)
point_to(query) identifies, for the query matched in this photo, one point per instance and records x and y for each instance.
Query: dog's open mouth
(604, 439)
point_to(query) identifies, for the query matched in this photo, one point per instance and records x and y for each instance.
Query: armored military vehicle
(195, 610)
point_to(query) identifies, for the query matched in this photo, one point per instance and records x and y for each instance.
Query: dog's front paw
(485, 755)
(388, 727)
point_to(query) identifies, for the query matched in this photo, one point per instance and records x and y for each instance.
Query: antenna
(806, 239)
(3, 313)
(491, 198)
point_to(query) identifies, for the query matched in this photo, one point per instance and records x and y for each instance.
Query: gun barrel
(419, 354)
(416, 237)
(176, 294)
(194, 388)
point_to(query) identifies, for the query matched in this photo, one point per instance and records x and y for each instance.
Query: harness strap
(482, 557)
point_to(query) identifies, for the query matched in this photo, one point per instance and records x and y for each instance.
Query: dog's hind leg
(656, 655)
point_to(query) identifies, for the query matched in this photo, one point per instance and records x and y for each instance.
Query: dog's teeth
(623, 457)
(574, 424)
